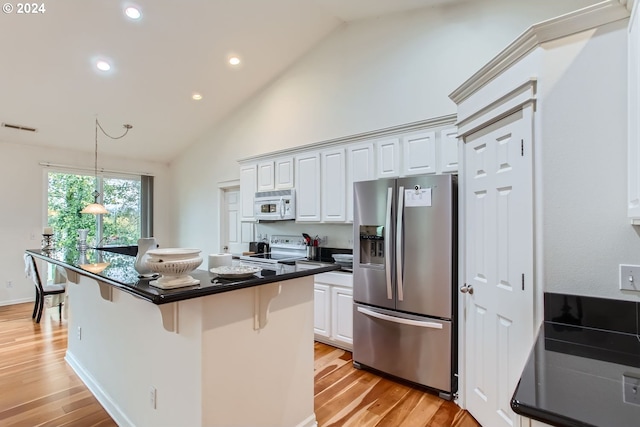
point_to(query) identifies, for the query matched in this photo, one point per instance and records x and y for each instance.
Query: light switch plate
(629, 277)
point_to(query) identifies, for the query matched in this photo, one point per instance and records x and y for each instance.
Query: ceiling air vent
(18, 127)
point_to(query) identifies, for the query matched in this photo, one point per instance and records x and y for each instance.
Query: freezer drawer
(414, 348)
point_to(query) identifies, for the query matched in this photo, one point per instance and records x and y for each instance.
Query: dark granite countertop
(120, 273)
(575, 374)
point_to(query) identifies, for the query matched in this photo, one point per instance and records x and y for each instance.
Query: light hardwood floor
(40, 389)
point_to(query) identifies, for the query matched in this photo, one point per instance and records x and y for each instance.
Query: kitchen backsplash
(338, 235)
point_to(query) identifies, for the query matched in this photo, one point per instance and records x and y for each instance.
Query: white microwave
(275, 205)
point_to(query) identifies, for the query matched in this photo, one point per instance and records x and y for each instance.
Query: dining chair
(42, 291)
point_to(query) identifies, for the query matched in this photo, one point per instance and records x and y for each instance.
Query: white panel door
(333, 185)
(307, 171)
(265, 176)
(231, 227)
(419, 153)
(388, 158)
(284, 173)
(360, 167)
(248, 186)
(342, 315)
(321, 310)
(499, 333)
(448, 150)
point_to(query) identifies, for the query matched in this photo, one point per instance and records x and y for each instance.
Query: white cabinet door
(284, 173)
(307, 172)
(388, 158)
(449, 150)
(360, 167)
(333, 185)
(342, 315)
(265, 176)
(248, 185)
(633, 165)
(322, 310)
(419, 153)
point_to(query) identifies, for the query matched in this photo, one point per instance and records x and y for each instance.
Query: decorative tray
(236, 271)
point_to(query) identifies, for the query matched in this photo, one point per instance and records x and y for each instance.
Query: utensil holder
(312, 253)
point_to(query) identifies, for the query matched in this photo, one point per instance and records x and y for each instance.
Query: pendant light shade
(96, 208)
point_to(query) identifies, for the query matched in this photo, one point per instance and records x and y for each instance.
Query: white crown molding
(449, 119)
(571, 23)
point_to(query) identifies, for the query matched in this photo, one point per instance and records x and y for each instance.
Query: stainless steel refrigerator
(404, 279)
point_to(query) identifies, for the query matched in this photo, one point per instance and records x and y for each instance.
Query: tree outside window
(69, 193)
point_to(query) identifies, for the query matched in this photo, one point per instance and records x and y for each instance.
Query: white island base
(238, 358)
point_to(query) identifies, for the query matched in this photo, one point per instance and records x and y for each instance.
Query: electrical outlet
(9, 284)
(630, 277)
(152, 397)
(631, 389)
(79, 333)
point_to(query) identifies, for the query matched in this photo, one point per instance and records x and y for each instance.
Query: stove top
(273, 258)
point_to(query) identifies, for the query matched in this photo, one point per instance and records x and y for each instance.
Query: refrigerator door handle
(387, 243)
(419, 323)
(399, 235)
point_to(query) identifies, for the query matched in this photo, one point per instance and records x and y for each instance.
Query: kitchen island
(229, 353)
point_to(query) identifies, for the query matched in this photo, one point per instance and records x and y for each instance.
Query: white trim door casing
(498, 318)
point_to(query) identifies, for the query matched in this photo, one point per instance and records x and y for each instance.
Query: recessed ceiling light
(103, 65)
(196, 97)
(132, 12)
(234, 60)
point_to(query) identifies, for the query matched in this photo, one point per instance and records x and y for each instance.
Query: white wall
(23, 212)
(586, 232)
(367, 75)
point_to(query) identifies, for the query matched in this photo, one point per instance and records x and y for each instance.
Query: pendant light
(96, 208)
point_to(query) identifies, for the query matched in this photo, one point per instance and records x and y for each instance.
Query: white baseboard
(105, 400)
(17, 301)
(309, 422)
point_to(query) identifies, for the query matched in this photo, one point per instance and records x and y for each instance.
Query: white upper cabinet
(633, 169)
(323, 177)
(448, 150)
(275, 174)
(307, 173)
(360, 167)
(333, 185)
(388, 156)
(265, 176)
(248, 186)
(419, 153)
(284, 173)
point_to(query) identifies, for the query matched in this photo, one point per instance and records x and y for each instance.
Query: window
(128, 200)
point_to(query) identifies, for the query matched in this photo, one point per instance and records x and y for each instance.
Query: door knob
(467, 289)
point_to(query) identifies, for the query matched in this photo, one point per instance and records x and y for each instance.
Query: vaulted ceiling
(49, 80)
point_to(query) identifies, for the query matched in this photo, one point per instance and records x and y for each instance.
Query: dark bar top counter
(584, 369)
(121, 274)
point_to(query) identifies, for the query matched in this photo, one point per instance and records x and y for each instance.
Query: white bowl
(175, 268)
(172, 254)
(343, 257)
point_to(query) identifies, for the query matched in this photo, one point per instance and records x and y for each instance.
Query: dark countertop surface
(120, 273)
(575, 374)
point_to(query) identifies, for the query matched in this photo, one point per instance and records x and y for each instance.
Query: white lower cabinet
(342, 315)
(322, 310)
(333, 309)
